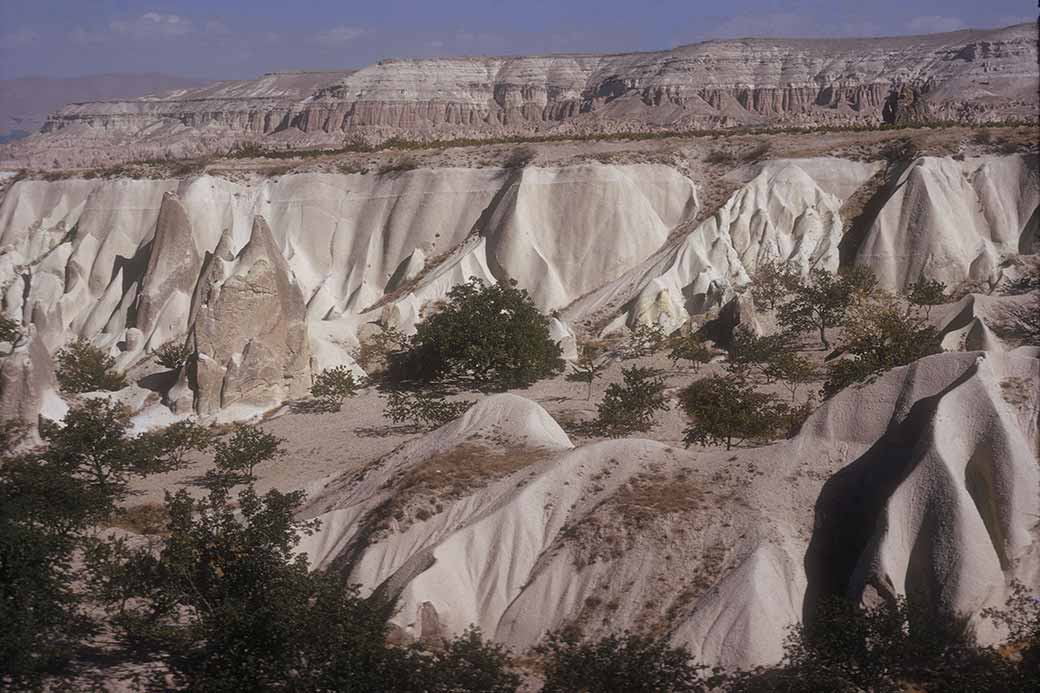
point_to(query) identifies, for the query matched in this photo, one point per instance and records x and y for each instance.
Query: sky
(240, 39)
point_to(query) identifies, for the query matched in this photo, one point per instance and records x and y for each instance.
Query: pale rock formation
(169, 280)
(28, 388)
(924, 483)
(123, 262)
(954, 220)
(969, 76)
(250, 331)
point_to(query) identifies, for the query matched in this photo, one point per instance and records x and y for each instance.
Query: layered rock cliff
(968, 76)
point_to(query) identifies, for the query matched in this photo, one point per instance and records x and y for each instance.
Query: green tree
(630, 407)
(822, 301)
(491, 335)
(791, 369)
(51, 498)
(690, 348)
(747, 353)
(587, 368)
(645, 340)
(332, 386)
(82, 367)
(467, 663)
(927, 293)
(879, 337)
(236, 457)
(423, 409)
(726, 408)
(772, 282)
(626, 663)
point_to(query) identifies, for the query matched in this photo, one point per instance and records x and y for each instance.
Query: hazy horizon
(237, 39)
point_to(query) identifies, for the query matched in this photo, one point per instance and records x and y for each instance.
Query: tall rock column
(249, 329)
(174, 263)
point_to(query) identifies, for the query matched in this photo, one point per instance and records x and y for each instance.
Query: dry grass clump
(423, 490)
(649, 495)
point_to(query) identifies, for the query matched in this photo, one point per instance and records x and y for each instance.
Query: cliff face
(969, 76)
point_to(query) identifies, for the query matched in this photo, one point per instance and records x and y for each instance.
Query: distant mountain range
(25, 102)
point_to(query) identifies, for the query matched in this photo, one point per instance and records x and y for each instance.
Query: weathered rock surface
(249, 332)
(968, 76)
(923, 484)
(131, 264)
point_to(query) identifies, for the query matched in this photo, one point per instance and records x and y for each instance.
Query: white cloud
(934, 24)
(152, 25)
(338, 35)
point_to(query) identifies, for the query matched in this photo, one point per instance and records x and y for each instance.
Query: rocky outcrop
(28, 387)
(169, 280)
(249, 332)
(923, 484)
(124, 263)
(953, 220)
(969, 76)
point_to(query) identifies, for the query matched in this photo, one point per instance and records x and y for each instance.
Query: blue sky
(243, 38)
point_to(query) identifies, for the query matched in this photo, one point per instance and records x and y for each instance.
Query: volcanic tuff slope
(968, 76)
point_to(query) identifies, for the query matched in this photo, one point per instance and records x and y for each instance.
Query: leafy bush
(587, 369)
(877, 337)
(790, 369)
(772, 282)
(237, 457)
(491, 335)
(9, 330)
(374, 352)
(631, 407)
(173, 354)
(645, 340)
(625, 663)
(927, 293)
(422, 409)
(726, 408)
(748, 353)
(332, 386)
(690, 348)
(82, 367)
(823, 300)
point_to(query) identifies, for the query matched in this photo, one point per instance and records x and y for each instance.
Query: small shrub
(173, 354)
(587, 369)
(690, 348)
(927, 293)
(724, 409)
(9, 330)
(772, 282)
(878, 336)
(237, 457)
(720, 157)
(82, 367)
(631, 407)
(423, 410)
(399, 165)
(645, 340)
(332, 386)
